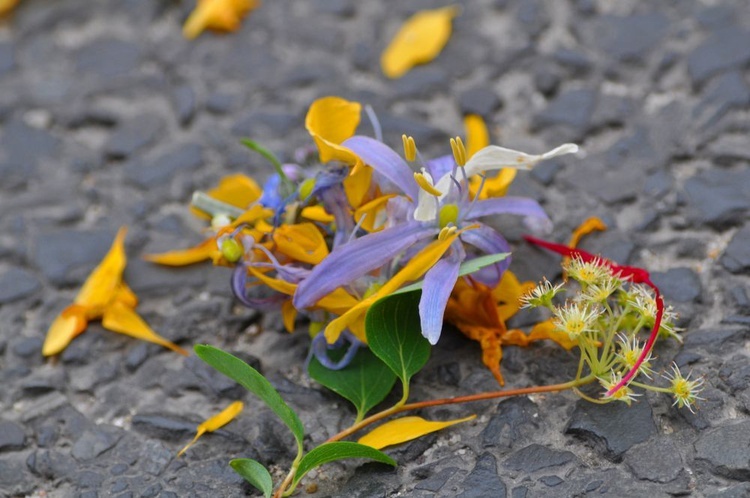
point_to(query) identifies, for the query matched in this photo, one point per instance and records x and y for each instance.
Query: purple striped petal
(320, 347)
(438, 285)
(350, 261)
(335, 202)
(239, 288)
(535, 218)
(488, 241)
(385, 161)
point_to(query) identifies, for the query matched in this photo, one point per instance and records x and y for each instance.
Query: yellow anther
(446, 232)
(425, 185)
(410, 148)
(459, 151)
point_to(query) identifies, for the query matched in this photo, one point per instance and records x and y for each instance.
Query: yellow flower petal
(405, 429)
(66, 327)
(330, 121)
(120, 318)
(216, 422)
(420, 39)
(274, 283)
(289, 315)
(204, 251)
(101, 285)
(253, 215)
(548, 330)
(589, 225)
(477, 135)
(302, 242)
(220, 15)
(370, 211)
(316, 213)
(238, 190)
(6, 6)
(508, 292)
(357, 184)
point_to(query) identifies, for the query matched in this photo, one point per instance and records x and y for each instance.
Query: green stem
(456, 400)
(213, 207)
(665, 390)
(288, 186)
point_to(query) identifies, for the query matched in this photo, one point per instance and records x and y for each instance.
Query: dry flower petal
(124, 320)
(330, 121)
(204, 251)
(420, 39)
(302, 242)
(405, 429)
(214, 423)
(238, 190)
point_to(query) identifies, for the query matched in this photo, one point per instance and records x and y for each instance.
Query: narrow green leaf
(287, 186)
(254, 473)
(339, 450)
(366, 381)
(394, 334)
(466, 268)
(253, 381)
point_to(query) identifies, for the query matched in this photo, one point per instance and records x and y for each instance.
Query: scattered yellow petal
(238, 190)
(6, 6)
(214, 423)
(316, 213)
(405, 429)
(370, 211)
(124, 320)
(508, 293)
(219, 15)
(477, 135)
(357, 184)
(302, 242)
(289, 315)
(204, 251)
(548, 330)
(66, 327)
(100, 287)
(589, 225)
(420, 39)
(330, 121)
(252, 216)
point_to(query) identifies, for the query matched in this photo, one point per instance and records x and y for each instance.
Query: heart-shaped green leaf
(253, 381)
(366, 381)
(254, 473)
(394, 334)
(338, 450)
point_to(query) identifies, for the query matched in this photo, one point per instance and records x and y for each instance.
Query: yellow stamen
(425, 185)
(446, 232)
(459, 151)
(410, 148)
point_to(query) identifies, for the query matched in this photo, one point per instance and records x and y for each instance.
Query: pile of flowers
(327, 240)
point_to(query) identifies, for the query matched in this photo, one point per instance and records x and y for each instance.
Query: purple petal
(239, 288)
(438, 285)
(350, 261)
(385, 161)
(535, 218)
(319, 348)
(439, 166)
(335, 202)
(488, 241)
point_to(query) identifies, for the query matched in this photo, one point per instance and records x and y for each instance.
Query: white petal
(493, 157)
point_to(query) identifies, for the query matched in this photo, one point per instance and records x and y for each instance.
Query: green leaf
(287, 185)
(366, 381)
(254, 473)
(338, 450)
(253, 381)
(394, 334)
(466, 267)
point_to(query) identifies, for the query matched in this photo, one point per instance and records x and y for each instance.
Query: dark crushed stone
(725, 49)
(535, 457)
(657, 460)
(723, 450)
(133, 135)
(12, 436)
(681, 285)
(483, 480)
(736, 257)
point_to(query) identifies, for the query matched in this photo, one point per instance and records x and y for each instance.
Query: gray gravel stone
(109, 58)
(50, 464)
(612, 428)
(535, 457)
(480, 100)
(724, 450)
(724, 93)
(67, 256)
(7, 58)
(630, 38)
(160, 170)
(680, 285)
(25, 144)
(265, 124)
(17, 283)
(657, 460)
(510, 419)
(725, 49)
(736, 257)
(167, 427)
(571, 109)
(483, 480)
(718, 198)
(95, 441)
(736, 491)
(133, 135)
(12, 436)
(184, 103)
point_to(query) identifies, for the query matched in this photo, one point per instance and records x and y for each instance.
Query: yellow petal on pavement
(66, 327)
(7, 6)
(405, 429)
(220, 15)
(330, 121)
(102, 284)
(238, 190)
(124, 320)
(420, 39)
(183, 257)
(589, 225)
(216, 422)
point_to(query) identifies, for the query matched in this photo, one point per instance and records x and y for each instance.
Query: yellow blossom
(218, 15)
